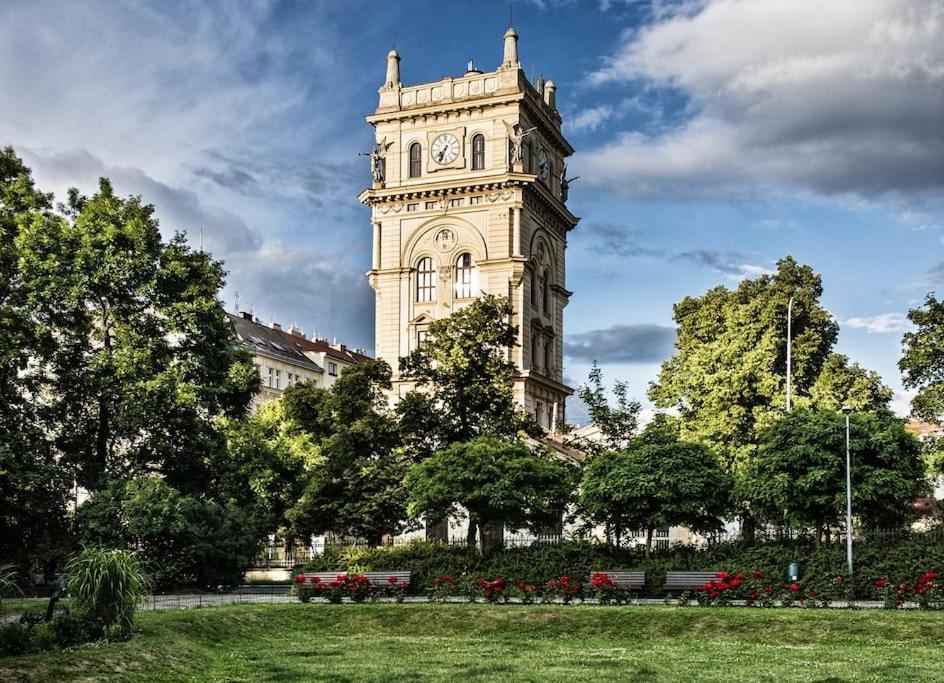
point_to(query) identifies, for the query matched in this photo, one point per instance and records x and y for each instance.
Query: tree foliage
(842, 383)
(922, 361)
(356, 487)
(496, 481)
(136, 354)
(465, 378)
(727, 377)
(799, 476)
(617, 424)
(657, 481)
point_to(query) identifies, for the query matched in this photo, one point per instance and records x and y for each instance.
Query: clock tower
(469, 197)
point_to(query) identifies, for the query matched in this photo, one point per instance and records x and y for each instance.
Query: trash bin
(793, 571)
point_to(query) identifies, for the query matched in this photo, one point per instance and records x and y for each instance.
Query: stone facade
(469, 196)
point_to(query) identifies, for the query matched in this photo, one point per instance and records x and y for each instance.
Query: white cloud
(591, 119)
(831, 98)
(901, 402)
(883, 323)
(207, 114)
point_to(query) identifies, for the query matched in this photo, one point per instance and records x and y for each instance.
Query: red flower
(299, 578)
(769, 590)
(437, 581)
(754, 595)
(392, 579)
(315, 580)
(714, 594)
(794, 587)
(757, 574)
(881, 583)
(724, 576)
(735, 582)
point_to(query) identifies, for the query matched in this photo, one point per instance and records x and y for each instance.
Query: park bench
(685, 581)
(375, 578)
(624, 580)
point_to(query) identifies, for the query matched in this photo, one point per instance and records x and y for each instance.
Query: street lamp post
(789, 348)
(847, 410)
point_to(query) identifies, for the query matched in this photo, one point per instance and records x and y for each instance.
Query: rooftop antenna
(511, 13)
(201, 239)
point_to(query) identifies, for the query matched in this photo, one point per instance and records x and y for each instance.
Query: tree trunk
(482, 539)
(619, 533)
(470, 534)
(649, 542)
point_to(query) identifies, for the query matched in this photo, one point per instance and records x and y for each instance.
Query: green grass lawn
(386, 642)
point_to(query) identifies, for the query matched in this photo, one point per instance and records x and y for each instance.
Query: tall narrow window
(465, 276)
(546, 293)
(534, 349)
(527, 158)
(425, 280)
(534, 290)
(548, 351)
(478, 152)
(416, 160)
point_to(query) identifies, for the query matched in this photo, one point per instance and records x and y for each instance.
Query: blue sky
(713, 137)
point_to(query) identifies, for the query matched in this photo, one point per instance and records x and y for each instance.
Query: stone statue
(378, 160)
(565, 183)
(516, 138)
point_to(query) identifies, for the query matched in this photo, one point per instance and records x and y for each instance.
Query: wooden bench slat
(688, 580)
(624, 579)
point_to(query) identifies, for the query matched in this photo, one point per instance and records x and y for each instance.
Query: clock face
(543, 166)
(445, 149)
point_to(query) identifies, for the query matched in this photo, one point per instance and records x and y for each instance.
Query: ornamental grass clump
(105, 585)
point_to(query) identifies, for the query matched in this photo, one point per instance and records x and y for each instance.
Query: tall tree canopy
(843, 383)
(465, 378)
(356, 487)
(136, 354)
(496, 481)
(657, 480)
(617, 423)
(799, 475)
(922, 361)
(33, 483)
(727, 377)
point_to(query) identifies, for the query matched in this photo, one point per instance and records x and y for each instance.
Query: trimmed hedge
(903, 559)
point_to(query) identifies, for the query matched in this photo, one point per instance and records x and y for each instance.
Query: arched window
(416, 160)
(478, 152)
(425, 280)
(465, 276)
(546, 292)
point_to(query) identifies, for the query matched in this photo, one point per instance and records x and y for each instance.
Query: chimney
(245, 315)
(295, 332)
(276, 326)
(550, 95)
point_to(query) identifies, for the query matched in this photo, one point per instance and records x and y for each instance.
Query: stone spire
(393, 70)
(510, 60)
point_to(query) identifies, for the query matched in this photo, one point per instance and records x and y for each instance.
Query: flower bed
(356, 587)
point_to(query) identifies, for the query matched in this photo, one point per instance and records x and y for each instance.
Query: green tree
(497, 482)
(922, 360)
(841, 383)
(799, 476)
(356, 487)
(136, 352)
(659, 480)
(465, 378)
(617, 424)
(33, 484)
(727, 378)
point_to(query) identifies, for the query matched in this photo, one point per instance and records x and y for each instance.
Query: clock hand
(442, 153)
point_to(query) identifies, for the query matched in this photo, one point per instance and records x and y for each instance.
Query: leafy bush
(106, 585)
(15, 639)
(74, 629)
